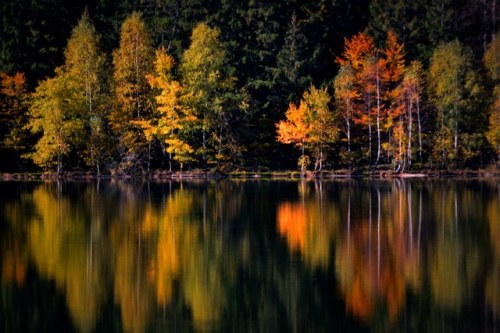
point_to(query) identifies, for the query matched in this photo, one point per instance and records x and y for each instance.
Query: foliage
(171, 120)
(455, 91)
(492, 64)
(311, 126)
(209, 92)
(85, 65)
(235, 66)
(56, 115)
(132, 61)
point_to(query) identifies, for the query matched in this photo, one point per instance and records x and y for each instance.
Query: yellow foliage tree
(132, 61)
(171, 118)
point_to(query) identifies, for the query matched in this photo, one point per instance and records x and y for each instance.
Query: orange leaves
(358, 48)
(12, 93)
(12, 85)
(294, 129)
(292, 223)
(310, 126)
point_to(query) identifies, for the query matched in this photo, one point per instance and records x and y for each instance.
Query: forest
(134, 86)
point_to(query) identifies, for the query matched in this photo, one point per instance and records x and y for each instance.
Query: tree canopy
(403, 85)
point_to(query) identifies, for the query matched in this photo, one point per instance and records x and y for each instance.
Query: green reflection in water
(251, 256)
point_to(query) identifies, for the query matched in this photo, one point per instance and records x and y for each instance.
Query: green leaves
(455, 90)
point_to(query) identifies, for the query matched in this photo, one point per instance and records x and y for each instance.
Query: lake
(251, 256)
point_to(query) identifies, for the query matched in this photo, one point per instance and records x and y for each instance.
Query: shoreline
(160, 175)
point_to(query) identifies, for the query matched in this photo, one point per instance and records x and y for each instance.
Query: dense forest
(128, 87)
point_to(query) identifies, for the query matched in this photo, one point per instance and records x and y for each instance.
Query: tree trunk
(379, 147)
(410, 123)
(419, 129)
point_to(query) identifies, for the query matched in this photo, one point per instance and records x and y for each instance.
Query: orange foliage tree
(310, 126)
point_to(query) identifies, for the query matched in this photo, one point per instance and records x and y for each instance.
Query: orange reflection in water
(292, 224)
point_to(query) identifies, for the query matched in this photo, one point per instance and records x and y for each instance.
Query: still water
(251, 256)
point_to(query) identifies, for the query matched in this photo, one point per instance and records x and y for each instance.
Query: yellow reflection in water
(63, 251)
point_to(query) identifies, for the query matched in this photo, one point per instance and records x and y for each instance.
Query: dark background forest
(261, 62)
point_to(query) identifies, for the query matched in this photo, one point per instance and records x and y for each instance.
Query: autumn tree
(132, 61)
(312, 126)
(395, 114)
(56, 116)
(346, 97)
(294, 130)
(412, 86)
(455, 91)
(85, 65)
(13, 111)
(170, 120)
(209, 92)
(492, 64)
(362, 56)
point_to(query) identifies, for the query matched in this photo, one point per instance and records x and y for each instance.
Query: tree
(132, 61)
(346, 97)
(209, 93)
(85, 64)
(13, 112)
(295, 130)
(421, 24)
(395, 120)
(322, 123)
(171, 119)
(412, 86)
(455, 91)
(56, 115)
(492, 64)
(311, 126)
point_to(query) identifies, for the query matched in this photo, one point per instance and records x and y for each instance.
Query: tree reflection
(215, 256)
(62, 248)
(309, 224)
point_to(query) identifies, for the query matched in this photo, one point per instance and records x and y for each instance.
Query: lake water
(251, 256)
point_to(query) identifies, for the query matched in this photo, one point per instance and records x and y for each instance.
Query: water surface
(260, 256)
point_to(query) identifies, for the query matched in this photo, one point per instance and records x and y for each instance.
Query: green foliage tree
(132, 61)
(209, 91)
(492, 64)
(455, 91)
(85, 65)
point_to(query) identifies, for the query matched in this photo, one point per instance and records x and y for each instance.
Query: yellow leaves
(171, 116)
